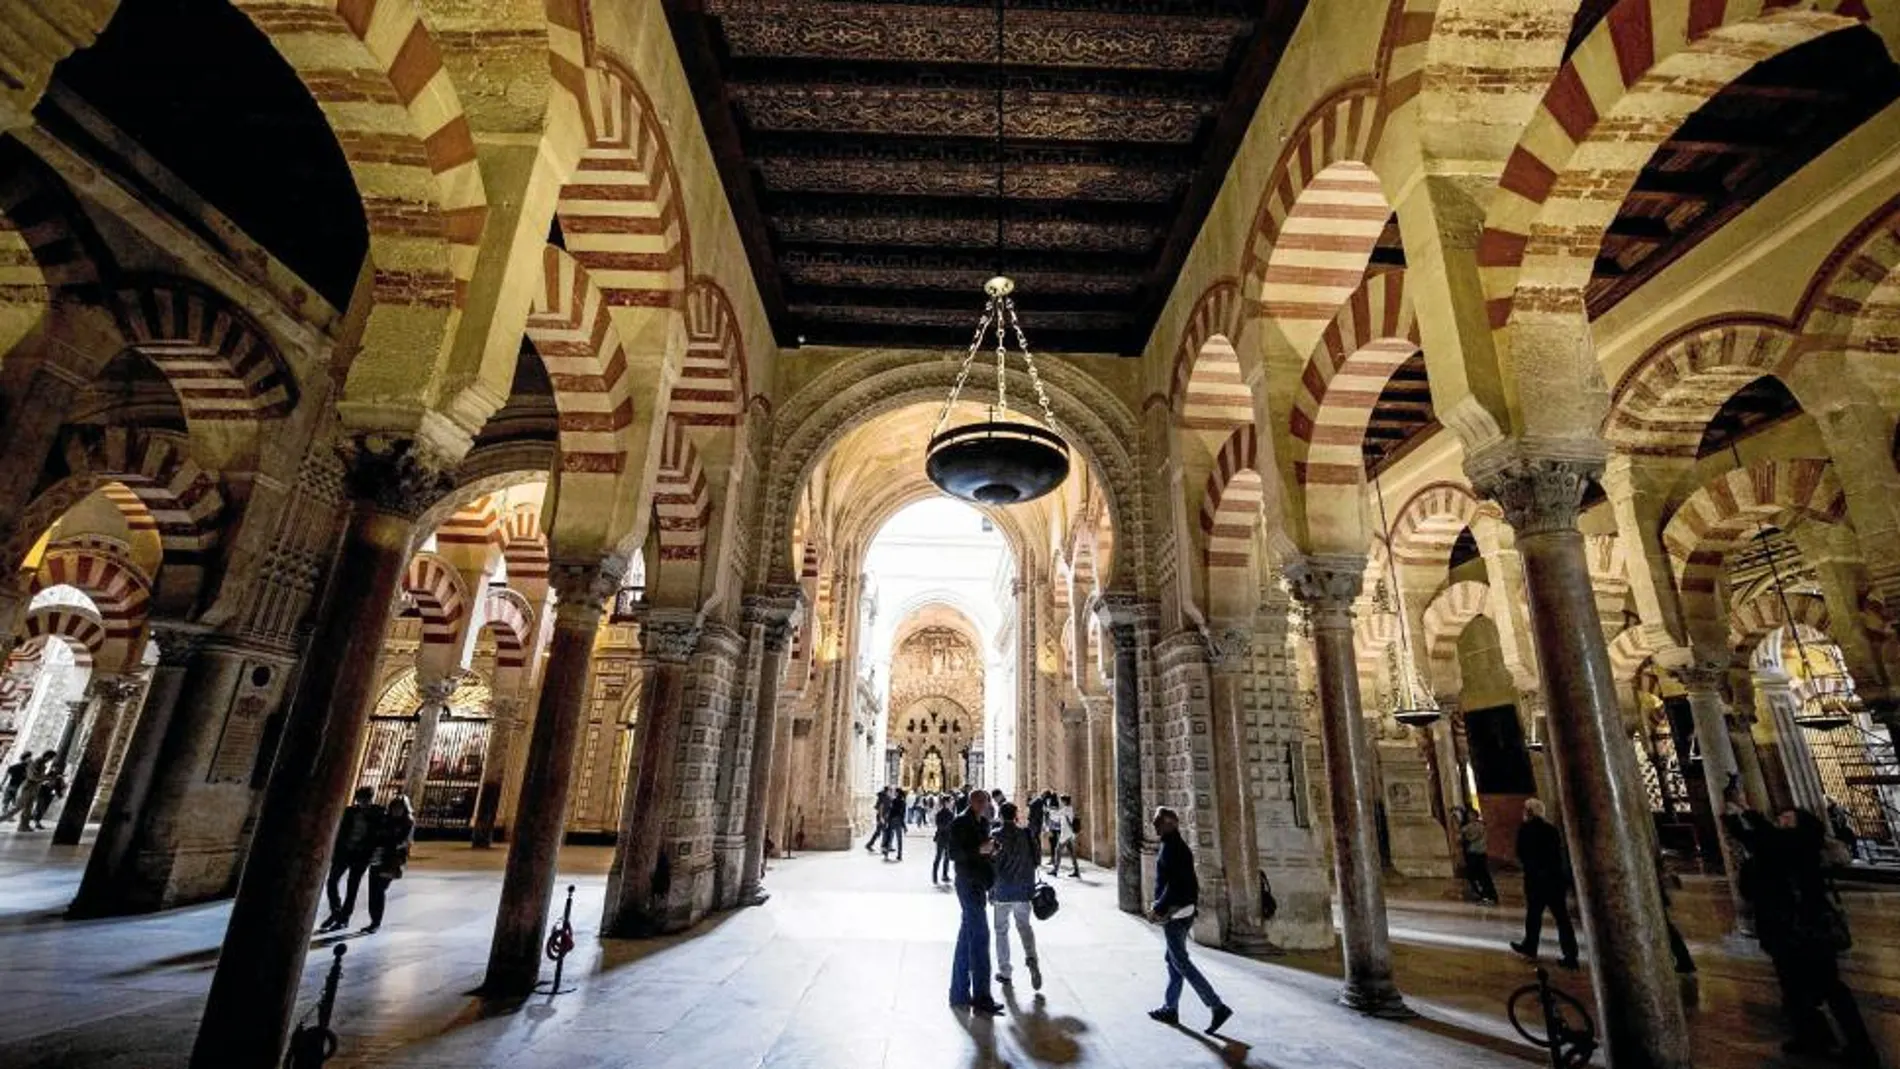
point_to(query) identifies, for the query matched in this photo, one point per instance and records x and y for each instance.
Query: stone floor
(846, 967)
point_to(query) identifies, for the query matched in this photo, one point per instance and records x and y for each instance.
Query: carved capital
(436, 692)
(583, 586)
(1327, 584)
(1698, 678)
(1122, 614)
(179, 643)
(399, 476)
(111, 691)
(670, 635)
(1229, 648)
(775, 609)
(504, 710)
(1538, 492)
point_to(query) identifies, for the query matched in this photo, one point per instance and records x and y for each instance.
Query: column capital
(1327, 583)
(1122, 613)
(179, 642)
(1700, 678)
(1540, 486)
(1229, 647)
(669, 635)
(113, 689)
(398, 475)
(437, 691)
(504, 708)
(584, 585)
(775, 608)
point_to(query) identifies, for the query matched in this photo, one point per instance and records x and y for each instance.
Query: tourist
(1062, 831)
(945, 814)
(16, 775)
(1803, 929)
(357, 835)
(878, 807)
(388, 858)
(894, 823)
(1015, 862)
(1472, 837)
(52, 789)
(28, 796)
(1039, 814)
(1177, 894)
(1540, 852)
(971, 848)
(1841, 824)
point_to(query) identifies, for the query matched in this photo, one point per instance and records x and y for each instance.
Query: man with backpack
(1015, 861)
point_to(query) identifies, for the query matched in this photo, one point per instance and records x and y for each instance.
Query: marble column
(435, 703)
(582, 589)
(1711, 715)
(101, 889)
(1122, 615)
(247, 1015)
(778, 801)
(1229, 658)
(1327, 585)
(1741, 737)
(773, 613)
(1096, 791)
(1074, 773)
(1797, 757)
(69, 732)
(504, 723)
(1606, 810)
(109, 696)
(641, 874)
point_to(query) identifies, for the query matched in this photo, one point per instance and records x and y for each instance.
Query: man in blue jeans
(1177, 894)
(970, 850)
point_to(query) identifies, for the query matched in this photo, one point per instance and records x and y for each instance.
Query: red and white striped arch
(1207, 391)
(1666, 400)
(1752, 620)
(1629, 651)
(41, 254)
(1725, 514)
(180, 499)
(1319, 217)
(221, 364)
(121, 592)
(1450, 613)
(711, 390)
(440, 599)
(83, 631)
(621, 213)
(523, 545)
(1373, 333)
(574, 335)
(509, 616)
(472, 527)
(1231, 504)
(379, 78)
(1853, 303)
(681, 500)
(1645, 68)
(1430, 522)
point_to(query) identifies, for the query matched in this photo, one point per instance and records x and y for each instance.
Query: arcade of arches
(521, 407)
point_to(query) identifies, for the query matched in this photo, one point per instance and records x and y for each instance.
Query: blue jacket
(1176, 885)
(1015, 861)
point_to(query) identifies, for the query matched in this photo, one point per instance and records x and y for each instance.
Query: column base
(753, 896)
(1380, 1000)
(1253, 944)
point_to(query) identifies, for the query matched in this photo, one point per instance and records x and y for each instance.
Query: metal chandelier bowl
(997, 463)
(1418, 716)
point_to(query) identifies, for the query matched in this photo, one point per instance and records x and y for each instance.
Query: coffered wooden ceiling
(856, 142)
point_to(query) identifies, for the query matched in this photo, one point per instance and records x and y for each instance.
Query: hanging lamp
(1413, 711)
(1834, 706)
(1001, 460)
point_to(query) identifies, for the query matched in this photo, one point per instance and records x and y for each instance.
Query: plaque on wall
(244, 721)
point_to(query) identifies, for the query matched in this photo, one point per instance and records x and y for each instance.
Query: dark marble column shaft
(504, 719)
(1606, 809)
(773, 613)
(527, 886)
(253, 994)
(1122, 613)
(1229, 659)
(1327, 585)
(111, 697)
(640, 875)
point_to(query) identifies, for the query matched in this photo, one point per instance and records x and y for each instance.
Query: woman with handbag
(391, 854)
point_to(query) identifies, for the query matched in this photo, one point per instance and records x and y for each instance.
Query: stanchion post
(313, 1044)
(560, 943)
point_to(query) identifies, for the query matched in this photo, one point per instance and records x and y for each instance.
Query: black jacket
(968, 833)
(1176, 886)
(1540, 850)
(943, 818)
(1036, 810)
(359, 831)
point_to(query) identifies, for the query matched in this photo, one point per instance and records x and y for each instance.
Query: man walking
(1015, 860)
(28, 797)
(944, 815)
(970, 849)
(356, 838)
(1062, 831)
(878, 807)
(894, 823)
(1540, 851)
(16, 775)
(1177, 893)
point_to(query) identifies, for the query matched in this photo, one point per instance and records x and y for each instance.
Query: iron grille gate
(445, 806)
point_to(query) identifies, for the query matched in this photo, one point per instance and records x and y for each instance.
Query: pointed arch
(221, 364)
(1374, 332)
(440, 598)
(1667, 398)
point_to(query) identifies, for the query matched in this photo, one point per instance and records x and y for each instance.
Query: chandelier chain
(997, 304)
(1029, 360)
(963, 373)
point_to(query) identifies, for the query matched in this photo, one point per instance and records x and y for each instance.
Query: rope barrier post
(311, 1045)
(1570, 1045)
(560, 944)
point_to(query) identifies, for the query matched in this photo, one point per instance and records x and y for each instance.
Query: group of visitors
(33, 784)
(1050, 818)
(371, 840)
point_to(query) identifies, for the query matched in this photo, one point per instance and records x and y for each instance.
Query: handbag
(1042, 901)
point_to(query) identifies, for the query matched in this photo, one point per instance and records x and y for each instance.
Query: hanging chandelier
(1001, 460)
(1832, 703)
(1413, 710)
